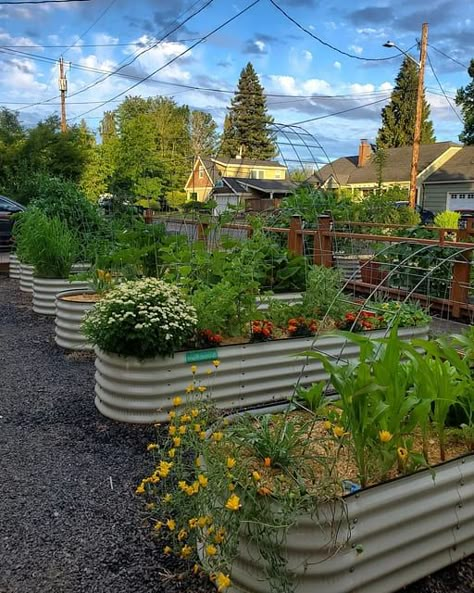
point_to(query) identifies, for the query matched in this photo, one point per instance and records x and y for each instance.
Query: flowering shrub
(405, 314)
(362, 321)
(261, 331)
(207, 338)
(299, 327)
(145, 318)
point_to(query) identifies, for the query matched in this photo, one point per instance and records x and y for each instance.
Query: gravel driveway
(69, 520)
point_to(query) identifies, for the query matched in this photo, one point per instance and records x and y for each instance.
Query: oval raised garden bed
(71, 307)
(130, 390)
(14, 267)
(376, 540)
(46, 289)
(26, 277)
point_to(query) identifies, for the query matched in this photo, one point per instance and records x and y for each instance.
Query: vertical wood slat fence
(324, 239)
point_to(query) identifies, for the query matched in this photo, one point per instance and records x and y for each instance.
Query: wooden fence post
(295, 236)
(148, 216)
(202, 231)
(459, 293)
(322, 251)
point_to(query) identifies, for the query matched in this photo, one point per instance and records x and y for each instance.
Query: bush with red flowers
(301, 327)
(361, 321)
(261, 331)
(207, 338)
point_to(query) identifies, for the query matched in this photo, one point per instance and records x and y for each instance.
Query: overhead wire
(448, 56)
(442, 89)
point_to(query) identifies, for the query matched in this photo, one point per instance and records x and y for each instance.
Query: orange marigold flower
(267, 462)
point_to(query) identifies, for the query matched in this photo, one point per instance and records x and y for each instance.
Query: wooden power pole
(62, 90)
(419, 116)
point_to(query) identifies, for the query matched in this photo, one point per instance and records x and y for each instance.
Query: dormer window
(256, 174)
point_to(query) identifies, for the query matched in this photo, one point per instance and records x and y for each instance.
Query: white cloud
(315, 86)
(307, 55)
(385, 86)
(337, 65)
(356, 49)
(261, 45)
(371, 32)
(358, 89)
(287, 84)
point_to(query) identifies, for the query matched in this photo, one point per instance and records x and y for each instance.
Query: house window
(277, 174)
(256, 174)
(201, 172)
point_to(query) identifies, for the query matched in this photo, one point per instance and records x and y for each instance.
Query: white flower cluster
(149, 310)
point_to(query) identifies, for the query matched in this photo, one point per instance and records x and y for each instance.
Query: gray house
(451, 186)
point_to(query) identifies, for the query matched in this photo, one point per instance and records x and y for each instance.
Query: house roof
(396, 169)
(224, 160)
(460, 167)
(240, 185)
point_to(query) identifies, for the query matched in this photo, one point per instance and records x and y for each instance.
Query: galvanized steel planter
(26, 278)
(46, 289)
(69, 316)
(129, 390)
(14, 267)
(378, 540)
(350, 266)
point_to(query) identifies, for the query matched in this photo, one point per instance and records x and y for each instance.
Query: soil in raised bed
(70, 522)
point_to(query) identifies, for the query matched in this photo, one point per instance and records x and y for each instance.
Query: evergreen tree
(465, 100)
(247, 124)
(108, 126)
(203, 134)
(398, 117)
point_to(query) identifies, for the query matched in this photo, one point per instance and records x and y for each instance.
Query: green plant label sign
(200, 355)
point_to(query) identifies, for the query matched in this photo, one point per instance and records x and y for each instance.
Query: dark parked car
(7, 208)
(427, 217)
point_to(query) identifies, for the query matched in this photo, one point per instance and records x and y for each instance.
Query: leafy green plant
(48, 244)
(145, 318)
(324, 294)
(447, 219)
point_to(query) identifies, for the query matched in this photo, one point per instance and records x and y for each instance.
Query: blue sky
(304, 78)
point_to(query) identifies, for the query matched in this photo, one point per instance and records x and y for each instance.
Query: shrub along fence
(376, 258)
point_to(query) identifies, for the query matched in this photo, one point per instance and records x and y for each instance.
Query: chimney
(364, 153)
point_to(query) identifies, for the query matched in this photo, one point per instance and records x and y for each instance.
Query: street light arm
(392, 44)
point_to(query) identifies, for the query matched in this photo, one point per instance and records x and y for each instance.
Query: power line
(319, 40)
(191, 47)
(442, 90)
(448, 56)
(11, 2)
(101, 15)
(131, 43)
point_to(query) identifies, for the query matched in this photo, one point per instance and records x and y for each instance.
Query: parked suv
(7, 208)
(426, 216)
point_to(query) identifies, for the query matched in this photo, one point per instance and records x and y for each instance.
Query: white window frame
(201, 172)
(460, 204)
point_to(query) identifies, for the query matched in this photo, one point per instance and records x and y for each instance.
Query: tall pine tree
(465, 100)
(398, 117)
(247, 123)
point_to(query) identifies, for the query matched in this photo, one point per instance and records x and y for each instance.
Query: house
(255, 194)
(361, 173)
(451, 186)
(218, 175)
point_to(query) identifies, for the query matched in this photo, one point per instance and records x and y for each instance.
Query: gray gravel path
(63, 529)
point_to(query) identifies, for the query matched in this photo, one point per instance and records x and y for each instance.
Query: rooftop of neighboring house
(460, 167)
(239, 185)
(362, 168)
(224, 160)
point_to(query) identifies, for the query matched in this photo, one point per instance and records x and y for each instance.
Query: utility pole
(62, 89)
(419, 115)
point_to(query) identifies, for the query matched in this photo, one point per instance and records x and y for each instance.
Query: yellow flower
(202, 435)
(217, 436)
(193, 523)
(220, 535)
(194, 412)
(231, 487)
(327, 425)
(196, 568)
(194, 369)
(256, 476)
(158, 525)
(182, 485)
(203, 521)
(233, 504)
(222, 581)
(171, 524)
(338, 431)
(211, 550)
(151, 446)
(197, 428)
(177, 441)
(167, 498)
(167, 550)
(150, 506)
(230, 462)
(202, 480)
(402, 453)
(177, 401)
(190, 388)
(182, 430)
(216, 363)
(185, 418)
(197, 462)
(172, 430)
(183, 534)
(164, 468)
(172, 414)
(140, 489)
(186, 551)
(209, 372)
(201, 388)
(385, 436)
(171, 453)
(154, 479)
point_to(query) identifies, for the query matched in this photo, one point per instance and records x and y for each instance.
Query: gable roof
(240, 185)
(224, 160)
(459, 168)
(396, 169)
